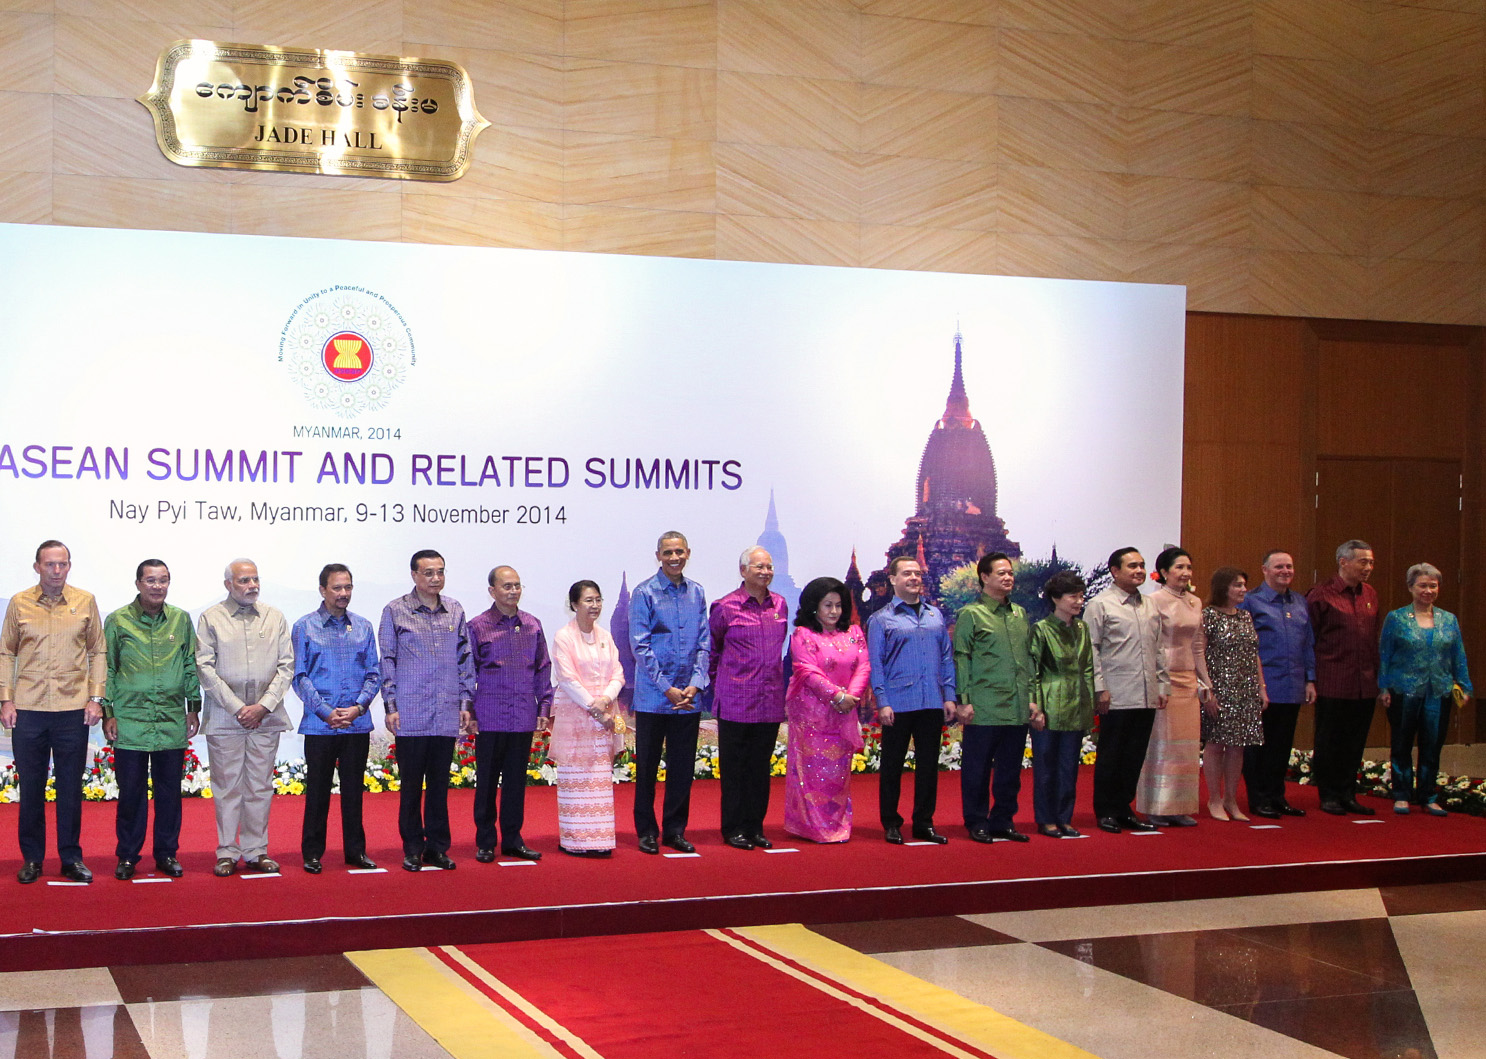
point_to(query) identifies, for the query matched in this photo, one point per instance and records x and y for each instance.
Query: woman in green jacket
(1062, 703)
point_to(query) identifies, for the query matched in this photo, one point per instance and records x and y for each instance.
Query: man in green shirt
(993, 673)
(153, 706)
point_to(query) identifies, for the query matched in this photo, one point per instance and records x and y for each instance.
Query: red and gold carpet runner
(783, 992)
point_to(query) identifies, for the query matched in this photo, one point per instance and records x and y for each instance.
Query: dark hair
(575, 592)
(987, 561)
(420, 555)
(1117, 557)
(1063, 583)
(44, 545)
(1272, 553)
(333, 568)
(1167, 559)
(139, 570)
(1223, 578)
(892, 565)
(810, 599)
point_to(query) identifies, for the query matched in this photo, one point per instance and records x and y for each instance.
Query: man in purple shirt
(748, 627)
(428, 684)
(513, 694)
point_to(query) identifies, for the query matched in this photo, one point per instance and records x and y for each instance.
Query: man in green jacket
(993, 673)
(152, 711)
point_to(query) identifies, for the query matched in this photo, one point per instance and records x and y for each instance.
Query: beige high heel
(1233, 812)
(1215, 811)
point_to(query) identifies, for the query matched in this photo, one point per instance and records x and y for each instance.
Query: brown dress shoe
(265, 865)
(224, 867)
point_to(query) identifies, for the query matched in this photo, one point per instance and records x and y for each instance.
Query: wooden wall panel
(1318, 158)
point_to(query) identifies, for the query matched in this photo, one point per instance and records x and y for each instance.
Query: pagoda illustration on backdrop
(954, 521)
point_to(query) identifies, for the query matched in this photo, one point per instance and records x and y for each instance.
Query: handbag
(1459, 694)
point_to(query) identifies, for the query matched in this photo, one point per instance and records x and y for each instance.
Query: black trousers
(1341, 737)
(500, 775)
(744, 750)
(1265, 766)
(991, 766)
(924, 728)
(1123, 738)
(40, 739)
(423, 815)
(323, 756)
(132, 770)
(675, 735)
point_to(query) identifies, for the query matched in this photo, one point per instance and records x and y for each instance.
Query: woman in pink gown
(587, 726)
(825, 693)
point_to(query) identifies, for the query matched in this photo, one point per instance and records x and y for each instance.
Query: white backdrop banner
(296, 401)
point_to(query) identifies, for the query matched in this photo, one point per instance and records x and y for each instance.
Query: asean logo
(348, 349)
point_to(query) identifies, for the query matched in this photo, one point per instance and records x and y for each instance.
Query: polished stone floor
(1365, 974)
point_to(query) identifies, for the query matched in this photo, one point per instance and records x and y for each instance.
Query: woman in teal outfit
(1422, 658)
(1062, 703)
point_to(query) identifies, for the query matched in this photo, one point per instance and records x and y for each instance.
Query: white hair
(748, 554)
(1419, 570)
(227, 573)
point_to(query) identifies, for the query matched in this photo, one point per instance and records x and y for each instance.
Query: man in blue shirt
(669, 636)
(1287, 652)
(336, 677)
(913, 677)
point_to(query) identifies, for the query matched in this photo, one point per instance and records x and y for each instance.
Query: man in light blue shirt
(336, 676)
(1287, 653)
(669, 636)
(913, 677)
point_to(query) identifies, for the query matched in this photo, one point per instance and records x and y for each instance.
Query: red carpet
(590, 984)
(204, 917)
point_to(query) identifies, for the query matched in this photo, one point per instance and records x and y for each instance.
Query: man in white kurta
(245, 658)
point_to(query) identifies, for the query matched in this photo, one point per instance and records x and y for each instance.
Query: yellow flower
(373, 786)
(296, 787)
(206, 792)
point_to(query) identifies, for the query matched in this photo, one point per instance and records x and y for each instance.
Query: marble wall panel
(640, 99)
(922, 54)
(644, 33)
(26, 198)
(523, 26)
(623, 230)
(810, 112)
(774, 38)
(928, 123)
(25, 132)
(788, 241)
(788, 182)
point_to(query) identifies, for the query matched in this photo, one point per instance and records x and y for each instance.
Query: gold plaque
(304, 110)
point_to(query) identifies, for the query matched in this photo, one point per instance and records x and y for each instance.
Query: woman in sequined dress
(822, 703)
(1230, 716)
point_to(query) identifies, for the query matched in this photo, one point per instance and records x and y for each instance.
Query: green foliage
(961, 585)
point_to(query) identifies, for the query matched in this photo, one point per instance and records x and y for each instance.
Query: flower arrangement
(1458, 794)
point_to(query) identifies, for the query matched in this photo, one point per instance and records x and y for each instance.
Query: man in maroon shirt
(1348, 622)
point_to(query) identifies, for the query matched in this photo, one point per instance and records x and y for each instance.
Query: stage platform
(52, 924)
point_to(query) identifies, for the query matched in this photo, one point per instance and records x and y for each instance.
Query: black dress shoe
(1333, 808)
(1110, 824)
(1050, 831)
(438, 860)
(1268, 812)
(521, 853)
(29, 873)
(412, 862)
(1069, 831)
(77, 871)
(1286, 809)
(761, 842)
(980, 834)
(169, 866)
(1131, 822)
(892, 835)
(648, 844)
(1352, 805)
(124, 870)
(737, 842)
(362, 861)
(1011, 834)
(313, 866)
(485, 856)
(928, 834)
(679, 844)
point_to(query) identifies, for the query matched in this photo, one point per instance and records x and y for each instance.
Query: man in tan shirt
(53, 675)
(245, 659)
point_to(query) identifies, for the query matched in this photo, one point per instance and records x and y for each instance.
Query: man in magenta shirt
(748, 626)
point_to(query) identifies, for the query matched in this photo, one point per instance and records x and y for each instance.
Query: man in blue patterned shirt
(669, 636)
(428, 689)
(336, 676)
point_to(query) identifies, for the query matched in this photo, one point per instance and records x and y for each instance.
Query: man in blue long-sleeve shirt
(1287, 653)
(336, 676)
(670, 639)
(913, 677)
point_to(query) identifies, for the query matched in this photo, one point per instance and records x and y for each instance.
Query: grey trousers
(242, 789)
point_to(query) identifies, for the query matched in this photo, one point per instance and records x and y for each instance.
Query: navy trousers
(41, 739)
(1055, 775)
(500, 777)
(675, 734)
(991, 774)
(133, 770)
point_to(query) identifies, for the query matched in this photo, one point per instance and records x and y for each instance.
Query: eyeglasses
(156, 582)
